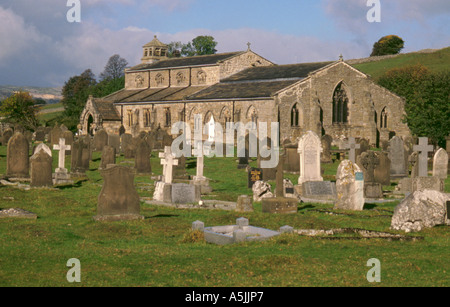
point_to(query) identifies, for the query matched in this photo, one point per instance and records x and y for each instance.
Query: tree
(20, 109)
(115, 68)
(391, 44)
(427, 100)
(75, 93)
(201, 45)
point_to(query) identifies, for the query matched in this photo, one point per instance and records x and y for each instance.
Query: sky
(39, 46)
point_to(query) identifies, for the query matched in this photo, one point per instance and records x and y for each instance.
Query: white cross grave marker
(168, 161)
(62, 147)
(351, 144)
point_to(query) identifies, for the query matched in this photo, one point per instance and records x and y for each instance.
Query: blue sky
(39, 47)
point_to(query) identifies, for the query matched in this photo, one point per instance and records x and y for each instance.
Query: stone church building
(330, 98)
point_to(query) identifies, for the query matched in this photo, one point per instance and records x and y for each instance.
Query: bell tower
(154, 51)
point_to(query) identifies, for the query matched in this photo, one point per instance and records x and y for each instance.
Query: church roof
(186, 61)
(155, 43)
(106, 110)
(290, 71)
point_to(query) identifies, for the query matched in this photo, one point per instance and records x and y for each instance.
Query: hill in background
(49, 94)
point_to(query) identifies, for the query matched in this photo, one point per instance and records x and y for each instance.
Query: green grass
(437, 62)
(156, 251)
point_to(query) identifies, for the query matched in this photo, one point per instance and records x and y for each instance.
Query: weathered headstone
(44, 147)
(81, 155)
(364, 146)
(309, 148)
(349, 187)
(424, 149)
(125, 140)
(185, 193)
(292, 162)
(7, 134)
(142, 160)
(55, 135)
(100, 140)
(41, 169)
(108, 157)
(118, 199)
(326, 149)
(114, 141)
(397, 155)
(261, 190)
(383, 172)
(17, 163)
(440, 164)
(40, 134)
(254, 174)
(244, 204)
(319, 190)
(68, 136)
(369, 162)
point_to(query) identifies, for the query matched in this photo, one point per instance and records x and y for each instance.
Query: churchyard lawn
(162, 251)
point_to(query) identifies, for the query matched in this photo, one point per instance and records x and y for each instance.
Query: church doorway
(90, 121)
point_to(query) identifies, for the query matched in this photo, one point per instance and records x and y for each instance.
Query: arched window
(384, 118)
(340, 105)
(167, 116)
(295, 116)
(147, 118)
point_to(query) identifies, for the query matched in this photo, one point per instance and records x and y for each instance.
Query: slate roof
(106, 110)
(186, 61)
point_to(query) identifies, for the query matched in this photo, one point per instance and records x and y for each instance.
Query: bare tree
(114, 69)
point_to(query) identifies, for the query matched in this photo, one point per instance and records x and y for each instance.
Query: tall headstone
(292, 162)
(114, 141)
(383, 171)
(349, 187)
(7, 134)
(81, 155)
(326, 149)
(41, 169)
(100, 140)
(397, 155)
(61, 174)
(440, 164)
(424, 149)
(17, 162)
(108, 156)
(55, 135)
(142, 160)
(68, 136)
(168, 161)
(309, 148)
(118, 199)
(370, 161)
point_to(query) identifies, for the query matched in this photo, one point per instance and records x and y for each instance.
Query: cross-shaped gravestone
(424, 149)
(62, 147)
(168, 161)
(279, 192)
(198, 152)
(370, 161)
(351, 144)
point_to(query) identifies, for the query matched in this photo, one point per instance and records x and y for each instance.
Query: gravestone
(17, 163)
(185, 193)
(108, 156)
(267, 173)
(44, 147)
(261, 190)
(319, 190)
(309, 148)
(397, 155)
(292, 162)
(244, 204)
(413, 160)
(7, 134)
(55, 135)
(130, 148)
(364, 146)
(326, 149)
(118, 199)
(280, 204)
(440, 164)
(383, 172)
(61, 174)
(427, 183)
(352, 146)
(349, 187)
(114, 141)
(142, 160)
(40, 134)
(100, 140)
(199, 179)
(125, 140)
(68, 136)
(81, 155)
(369, 162)
(168, 161)
(41, 169)
(424, 149)
(254, 175)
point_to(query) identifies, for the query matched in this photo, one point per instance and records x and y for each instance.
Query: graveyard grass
(161, 251)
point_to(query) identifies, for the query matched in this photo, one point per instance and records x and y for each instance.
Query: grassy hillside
(437, 62)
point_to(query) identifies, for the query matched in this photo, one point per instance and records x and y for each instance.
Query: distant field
(438, 61)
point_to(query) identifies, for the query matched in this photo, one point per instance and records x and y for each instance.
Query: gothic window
(159, 79)
(167, 116)
(340, 105)
(130, 118)
(253, 116)
(295, 116)
(384, 118)
(147, 118)
(201, 77)
(146, 52)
